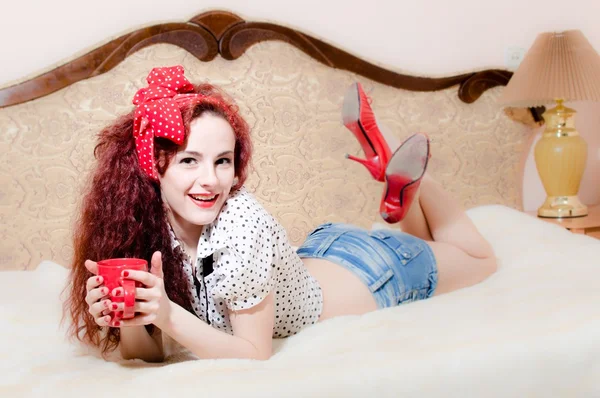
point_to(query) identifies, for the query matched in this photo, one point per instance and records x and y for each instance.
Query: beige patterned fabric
(293, 105)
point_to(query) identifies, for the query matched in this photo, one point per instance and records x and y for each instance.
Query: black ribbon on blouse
(207, 269)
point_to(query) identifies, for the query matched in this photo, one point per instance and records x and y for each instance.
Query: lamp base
(562, 207)
(560, 157)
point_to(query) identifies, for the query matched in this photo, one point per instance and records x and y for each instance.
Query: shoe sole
(351, 116)
(386, 216)
(389, 170)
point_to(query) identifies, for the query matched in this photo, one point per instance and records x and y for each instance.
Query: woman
(224, 280)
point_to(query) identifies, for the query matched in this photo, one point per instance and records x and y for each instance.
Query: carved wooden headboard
(289, 86)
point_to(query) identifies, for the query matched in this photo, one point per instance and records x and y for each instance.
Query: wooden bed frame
(222, 33)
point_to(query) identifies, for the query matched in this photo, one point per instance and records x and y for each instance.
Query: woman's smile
(204, 201)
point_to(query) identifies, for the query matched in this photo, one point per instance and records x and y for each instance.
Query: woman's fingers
(148, 298)
(96, 294)
(146, 294)
(97, 309)
(145, 278)
(93, 282)
(141, 293)
(104, 320)
(156, 263)
(100, 307)
(142, 307)
(92, 266)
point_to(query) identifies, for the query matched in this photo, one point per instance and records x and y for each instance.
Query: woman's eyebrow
(198, 154)
(193, 153)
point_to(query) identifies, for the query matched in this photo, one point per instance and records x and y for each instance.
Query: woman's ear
(235, 181)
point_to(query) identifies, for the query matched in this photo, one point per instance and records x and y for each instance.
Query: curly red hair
(122, 213)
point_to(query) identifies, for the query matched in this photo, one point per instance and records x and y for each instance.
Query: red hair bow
(158, 114)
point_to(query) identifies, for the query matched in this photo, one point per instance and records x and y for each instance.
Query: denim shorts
(397, 267)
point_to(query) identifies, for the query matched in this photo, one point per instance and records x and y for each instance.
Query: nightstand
(588, 225)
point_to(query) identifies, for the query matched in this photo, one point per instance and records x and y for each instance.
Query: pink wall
(587, 122)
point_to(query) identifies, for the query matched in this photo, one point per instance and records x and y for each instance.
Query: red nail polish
(125, 274)
(114, 307)
(97, 279)
(118, 293)
(117, 323)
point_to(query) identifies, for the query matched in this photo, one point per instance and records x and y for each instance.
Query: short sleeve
(244, 269)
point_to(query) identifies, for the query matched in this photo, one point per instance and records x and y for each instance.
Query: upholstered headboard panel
(293, 104)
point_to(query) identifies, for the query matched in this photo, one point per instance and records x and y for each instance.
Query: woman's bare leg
(463, 256)
(414, 221)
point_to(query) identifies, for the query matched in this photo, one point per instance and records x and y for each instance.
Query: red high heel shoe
(403, 176)
(359, 118)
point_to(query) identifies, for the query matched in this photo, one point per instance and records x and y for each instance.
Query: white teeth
(203, 198)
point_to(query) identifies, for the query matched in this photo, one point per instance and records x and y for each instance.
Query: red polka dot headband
(158, 114)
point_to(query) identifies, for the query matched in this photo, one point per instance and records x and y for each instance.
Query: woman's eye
(187, 161)
(223, 161)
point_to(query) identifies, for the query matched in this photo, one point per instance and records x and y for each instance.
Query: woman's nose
(208, 178)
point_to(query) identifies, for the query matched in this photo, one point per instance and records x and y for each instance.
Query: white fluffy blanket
(532, 329)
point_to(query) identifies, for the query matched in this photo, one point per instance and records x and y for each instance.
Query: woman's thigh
(457, 269)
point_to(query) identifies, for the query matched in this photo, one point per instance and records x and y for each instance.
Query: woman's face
(200, 176)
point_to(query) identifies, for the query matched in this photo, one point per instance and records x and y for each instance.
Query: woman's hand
(152, 305)
(96, 297)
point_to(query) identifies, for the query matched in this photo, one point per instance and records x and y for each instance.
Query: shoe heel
(371, 164)
(358, 117)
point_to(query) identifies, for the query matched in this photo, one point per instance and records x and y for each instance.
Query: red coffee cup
(111, 270)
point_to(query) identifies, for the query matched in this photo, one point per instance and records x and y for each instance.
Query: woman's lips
(203, 201)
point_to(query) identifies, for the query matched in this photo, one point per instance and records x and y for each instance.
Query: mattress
(532, 329)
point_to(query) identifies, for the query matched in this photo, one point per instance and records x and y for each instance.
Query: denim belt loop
(324, 246)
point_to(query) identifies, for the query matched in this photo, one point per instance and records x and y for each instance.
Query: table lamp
(559, 67)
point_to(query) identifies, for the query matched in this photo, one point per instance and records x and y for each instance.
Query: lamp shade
(559, 65)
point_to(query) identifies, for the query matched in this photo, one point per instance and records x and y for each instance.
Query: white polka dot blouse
(251, 257)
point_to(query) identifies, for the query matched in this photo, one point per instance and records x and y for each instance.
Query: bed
(532, 329)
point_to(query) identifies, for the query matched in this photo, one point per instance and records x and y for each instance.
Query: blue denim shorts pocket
(381, 280)
(415, 266)
(405, 249)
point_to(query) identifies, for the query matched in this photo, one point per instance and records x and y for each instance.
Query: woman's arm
(251, 339)
(136, 342)
(252, 328)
